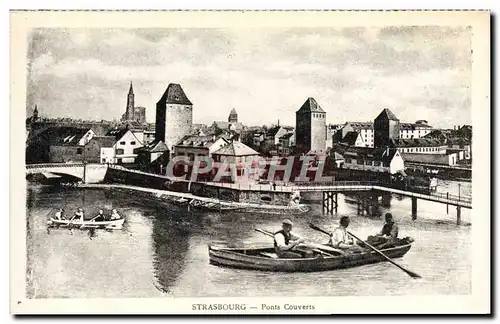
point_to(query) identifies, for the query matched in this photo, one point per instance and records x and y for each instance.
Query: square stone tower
(385, 128)
(310, 127)
(174, 116)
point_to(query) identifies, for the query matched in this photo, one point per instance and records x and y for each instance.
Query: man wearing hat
(285, 242)
(388, 236)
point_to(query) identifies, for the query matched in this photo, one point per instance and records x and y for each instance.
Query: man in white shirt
(340, 239)
(286, 242)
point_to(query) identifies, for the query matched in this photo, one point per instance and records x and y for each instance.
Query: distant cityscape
(384, 145)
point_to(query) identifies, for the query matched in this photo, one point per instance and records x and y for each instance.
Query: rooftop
(310, 106)
(175, 95)
(387, 114)
(104, 141)
(236, 149)
(64, 136)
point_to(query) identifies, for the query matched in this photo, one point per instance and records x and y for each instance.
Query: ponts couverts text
(242, 307)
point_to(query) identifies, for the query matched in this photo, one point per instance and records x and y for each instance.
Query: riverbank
(182, 198)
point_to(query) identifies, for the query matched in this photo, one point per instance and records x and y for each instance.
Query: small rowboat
(264, 259)
(111, 224)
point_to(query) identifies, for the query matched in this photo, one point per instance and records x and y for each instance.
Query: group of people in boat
(79, 215)
(287, 243)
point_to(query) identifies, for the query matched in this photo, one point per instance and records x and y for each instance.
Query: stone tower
(385, 128)
(174, 116)
(310, 125)
(129, 113)
(233, 116)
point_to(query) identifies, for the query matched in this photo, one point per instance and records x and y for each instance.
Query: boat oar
(314, 227)
(410, 273)
(272, 235)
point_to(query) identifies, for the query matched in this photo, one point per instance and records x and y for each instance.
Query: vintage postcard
(250, 162)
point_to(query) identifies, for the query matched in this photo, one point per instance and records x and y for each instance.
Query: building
(365, 129)
(174, 116)
(192, 146)
(385, 128)
(132, 113)
(310, 127)
(233, 116)
(419, 146)
(125, 144)
(238, 156)
(100, 149)
(382, 160)
(331, 129)
(153, 157)
(447, 159)
(353, 138)
(414, 130)
(286, 143)
(67, 144)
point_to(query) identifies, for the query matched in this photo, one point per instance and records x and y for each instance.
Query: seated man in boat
(78, 215)
(285, 241)
(100, 216)
(340, 239)
(115, 215)
(388, 236)
(60, 214)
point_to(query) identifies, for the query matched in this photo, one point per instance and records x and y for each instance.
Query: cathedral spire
(131, 90)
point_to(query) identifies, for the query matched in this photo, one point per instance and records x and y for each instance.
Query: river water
(162, 250)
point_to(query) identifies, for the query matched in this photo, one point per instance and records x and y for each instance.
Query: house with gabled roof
(125, 144)
(62, 144)
(236, 156)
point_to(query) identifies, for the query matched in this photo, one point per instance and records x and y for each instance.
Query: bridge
(88, 173)
(94, 173)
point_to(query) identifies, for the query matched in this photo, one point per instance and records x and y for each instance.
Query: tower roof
(233, 112)
(36, 109)
(386, 114)
(175, 95)
(310, 106)
(131, 90)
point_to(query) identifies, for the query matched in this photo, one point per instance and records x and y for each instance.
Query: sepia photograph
(250, 162)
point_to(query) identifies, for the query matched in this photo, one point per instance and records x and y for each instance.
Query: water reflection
(170, 245)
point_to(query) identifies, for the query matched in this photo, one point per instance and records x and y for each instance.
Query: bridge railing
(53, 165)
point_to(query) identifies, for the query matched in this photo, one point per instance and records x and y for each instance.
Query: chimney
(278, 122)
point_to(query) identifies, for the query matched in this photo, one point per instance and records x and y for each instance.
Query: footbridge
(87, 172)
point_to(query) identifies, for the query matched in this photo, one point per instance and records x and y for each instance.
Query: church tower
(35, 113)
(129, 113)
(233, 116)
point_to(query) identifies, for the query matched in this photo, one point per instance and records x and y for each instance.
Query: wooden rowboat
(264, 259)
(111, 224)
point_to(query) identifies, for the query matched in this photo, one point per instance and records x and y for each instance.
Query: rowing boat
(111, 224)
(264, 259)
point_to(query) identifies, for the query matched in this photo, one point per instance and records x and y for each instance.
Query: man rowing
(100, 216)
(286, 242)
(78, 215)
(388, 236)
(340, 239)
(115, 215)
(60, 214)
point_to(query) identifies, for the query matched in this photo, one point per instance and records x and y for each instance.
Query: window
(122, 143)
(119, 151)
(132, 143)
(361, 162)
(79, 151)
(347, 160)
(103, 160)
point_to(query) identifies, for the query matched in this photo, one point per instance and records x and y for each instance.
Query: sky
(265, 74)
